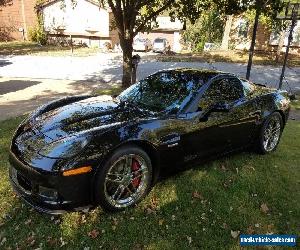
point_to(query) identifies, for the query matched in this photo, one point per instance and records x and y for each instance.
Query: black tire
(101, 197)
(260, 147)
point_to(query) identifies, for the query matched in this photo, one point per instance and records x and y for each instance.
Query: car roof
(205, 74)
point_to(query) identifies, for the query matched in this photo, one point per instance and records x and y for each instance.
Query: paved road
(107, 68)
(28, 81)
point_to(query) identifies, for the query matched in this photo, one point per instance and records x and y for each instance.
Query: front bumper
(73, 192)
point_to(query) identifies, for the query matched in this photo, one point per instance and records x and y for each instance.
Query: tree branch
(152, 15)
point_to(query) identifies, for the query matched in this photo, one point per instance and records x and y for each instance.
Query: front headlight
(64, 148)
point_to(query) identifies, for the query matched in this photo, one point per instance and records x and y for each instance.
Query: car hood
(85, 115)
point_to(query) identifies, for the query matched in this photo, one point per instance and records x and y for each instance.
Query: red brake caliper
(135, 167)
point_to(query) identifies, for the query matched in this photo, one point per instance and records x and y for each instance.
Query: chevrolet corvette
(80, 151)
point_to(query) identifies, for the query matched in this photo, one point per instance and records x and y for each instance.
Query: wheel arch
(146, 146)
(282, 116)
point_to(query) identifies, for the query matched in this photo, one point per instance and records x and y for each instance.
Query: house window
(243, 28)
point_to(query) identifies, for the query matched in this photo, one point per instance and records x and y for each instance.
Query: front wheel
(270, 133)
(124, 180)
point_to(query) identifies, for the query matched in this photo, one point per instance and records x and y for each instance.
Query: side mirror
(219, 107)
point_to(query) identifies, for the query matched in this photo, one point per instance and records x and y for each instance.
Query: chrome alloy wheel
(272, 134)
(126, 180)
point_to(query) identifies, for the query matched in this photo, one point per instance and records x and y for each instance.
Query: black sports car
(80, 151)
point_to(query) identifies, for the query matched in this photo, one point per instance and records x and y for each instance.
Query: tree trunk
(226, 35)
(280, 45)
(126, 46)
(251, 50)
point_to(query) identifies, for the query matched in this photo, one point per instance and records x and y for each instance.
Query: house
(16, 17)
(82, 20)
(91, 24)
(171, 30)
(266, 40)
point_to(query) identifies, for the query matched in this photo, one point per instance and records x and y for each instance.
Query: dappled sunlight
(194, 208)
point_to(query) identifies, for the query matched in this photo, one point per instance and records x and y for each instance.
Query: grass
(194, 209)
(233, 56)
(295, 104)
(31, 48)
(108, 91)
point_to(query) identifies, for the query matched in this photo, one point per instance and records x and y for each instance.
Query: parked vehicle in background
(161, 45)
(142, 44)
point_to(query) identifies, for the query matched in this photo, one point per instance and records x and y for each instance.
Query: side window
(225, 90)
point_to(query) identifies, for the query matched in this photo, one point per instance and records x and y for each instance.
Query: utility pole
(251, 51)
(295, 9)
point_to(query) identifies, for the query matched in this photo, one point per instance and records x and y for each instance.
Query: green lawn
(231, 56)
(31, 48)
(295, 104)
(203, 207)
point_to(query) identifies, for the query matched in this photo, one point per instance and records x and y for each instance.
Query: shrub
(37, 34)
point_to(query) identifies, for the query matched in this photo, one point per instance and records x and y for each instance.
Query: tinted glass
(159, 40)
(224, 90)
(164, 91)
(248, 87)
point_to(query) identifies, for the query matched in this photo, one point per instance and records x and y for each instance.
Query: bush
(208, 28)
(37, 34)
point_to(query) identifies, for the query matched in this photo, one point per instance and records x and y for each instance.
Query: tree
(208, 28)
(4, 2)
(134, 16)
(268, 8)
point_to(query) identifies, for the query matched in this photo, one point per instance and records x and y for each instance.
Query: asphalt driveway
(28, 81)
(107, 67)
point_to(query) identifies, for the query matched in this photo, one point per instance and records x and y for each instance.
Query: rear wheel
(270, 133)
(124, 180)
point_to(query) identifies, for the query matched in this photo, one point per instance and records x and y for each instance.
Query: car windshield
(163, 91)
(159, 41)
(249, 88)
(139, 41)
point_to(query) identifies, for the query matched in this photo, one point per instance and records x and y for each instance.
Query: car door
(224, 122)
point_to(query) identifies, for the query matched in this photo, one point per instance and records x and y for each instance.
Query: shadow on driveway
(15, 85)
(4, 63)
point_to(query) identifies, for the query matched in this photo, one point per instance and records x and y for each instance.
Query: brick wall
(15, 15)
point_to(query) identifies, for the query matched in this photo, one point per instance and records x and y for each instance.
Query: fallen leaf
(51, 241)
(93, 234)
(56, 222)
(197, 195)
(234, 234)
(160, 222)
(223, 167)
(62, 242)
(115, 221)
(30, 240)
(27, 222)
(264, 208)
(3, 241)
(250, 230)
(225, 226)
(138, 247)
